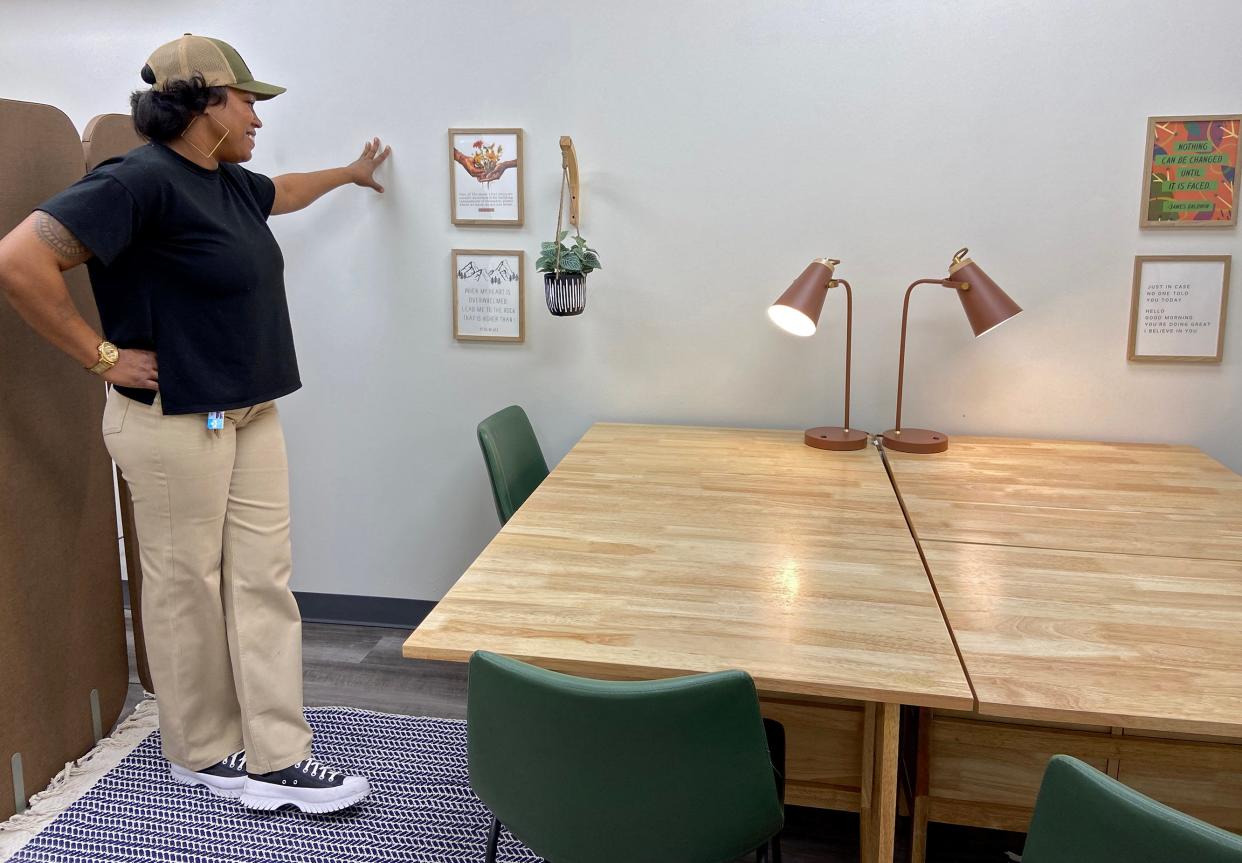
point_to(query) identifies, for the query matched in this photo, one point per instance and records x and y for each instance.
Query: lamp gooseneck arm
(849, 335)
(905, 311)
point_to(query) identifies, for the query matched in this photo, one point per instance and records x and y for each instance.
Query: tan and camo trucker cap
(215, 60)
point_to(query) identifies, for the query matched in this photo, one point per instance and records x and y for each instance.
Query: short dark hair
(162, 115)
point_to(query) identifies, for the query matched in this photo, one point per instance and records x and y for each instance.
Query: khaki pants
(223, 632)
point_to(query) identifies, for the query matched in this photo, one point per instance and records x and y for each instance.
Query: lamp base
(919, 441)
(836, 438)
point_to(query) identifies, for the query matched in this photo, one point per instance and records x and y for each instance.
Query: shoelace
(320, 771)
(236, 761)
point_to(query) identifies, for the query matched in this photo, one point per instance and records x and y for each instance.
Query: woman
(189, 284)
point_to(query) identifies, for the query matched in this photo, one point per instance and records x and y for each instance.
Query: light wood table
(655, 550)
(1095, 591)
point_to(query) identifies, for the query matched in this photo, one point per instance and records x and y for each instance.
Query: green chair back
(1084, 816)
(591, 771)
(514, 460)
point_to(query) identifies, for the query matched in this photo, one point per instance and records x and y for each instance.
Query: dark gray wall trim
(363, 610)
(354, 610)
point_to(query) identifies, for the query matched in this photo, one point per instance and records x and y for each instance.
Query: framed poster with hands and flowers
(485, 183)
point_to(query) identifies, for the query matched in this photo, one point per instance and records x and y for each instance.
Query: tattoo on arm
(59, 239)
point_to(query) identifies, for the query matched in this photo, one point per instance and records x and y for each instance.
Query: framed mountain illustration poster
(489, 296)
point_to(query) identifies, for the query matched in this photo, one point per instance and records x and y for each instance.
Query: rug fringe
(77, 778)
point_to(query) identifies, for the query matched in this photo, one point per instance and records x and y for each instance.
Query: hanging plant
(565, 268)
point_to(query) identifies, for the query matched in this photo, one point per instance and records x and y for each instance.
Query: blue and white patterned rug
(421, 807)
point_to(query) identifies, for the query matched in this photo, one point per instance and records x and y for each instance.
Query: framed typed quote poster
(1177, 308)
(1191, 172)
(489, 296)
(485, 182)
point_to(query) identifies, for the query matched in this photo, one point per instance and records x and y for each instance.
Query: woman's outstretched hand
(363, 168)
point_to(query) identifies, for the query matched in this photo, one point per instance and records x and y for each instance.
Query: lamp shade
(797, 310)
(986, 305)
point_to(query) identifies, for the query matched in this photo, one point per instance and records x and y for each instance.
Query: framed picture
(485, 183)
(489, 296)
(1177, 308)
(1190, 172)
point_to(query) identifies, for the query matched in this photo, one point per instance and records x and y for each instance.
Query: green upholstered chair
(1084, 816)
(593, 771)
(514, 460)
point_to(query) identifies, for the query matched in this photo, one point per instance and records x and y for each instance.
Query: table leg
(922, 786)
(866, 827)
(880, 817)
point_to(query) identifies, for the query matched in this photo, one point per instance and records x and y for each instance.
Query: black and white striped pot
(566, 293)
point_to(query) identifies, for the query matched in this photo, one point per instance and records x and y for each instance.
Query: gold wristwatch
(108, 355)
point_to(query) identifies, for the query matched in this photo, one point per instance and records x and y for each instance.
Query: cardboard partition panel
(62, 628)
(107, 136)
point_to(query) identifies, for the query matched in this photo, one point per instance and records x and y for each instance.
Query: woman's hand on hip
(136, 369)
(362, 169)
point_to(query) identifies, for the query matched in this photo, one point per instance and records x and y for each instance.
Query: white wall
(724, 144)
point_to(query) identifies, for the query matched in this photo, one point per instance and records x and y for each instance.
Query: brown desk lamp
(797, 311)
(986, 307)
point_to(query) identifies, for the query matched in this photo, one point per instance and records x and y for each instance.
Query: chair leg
(776, 748)
(493, 839)
(761, 853)
(775, 733)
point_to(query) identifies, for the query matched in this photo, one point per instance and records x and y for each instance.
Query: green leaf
(547, 246)
(562, 235)
(571, 262)
(592, 260)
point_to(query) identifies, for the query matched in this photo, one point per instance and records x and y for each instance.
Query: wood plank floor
(361, 666)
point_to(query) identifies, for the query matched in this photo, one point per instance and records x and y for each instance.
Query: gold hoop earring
(195, 146)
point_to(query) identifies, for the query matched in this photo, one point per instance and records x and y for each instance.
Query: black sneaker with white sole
(308, 785)
(225, 778)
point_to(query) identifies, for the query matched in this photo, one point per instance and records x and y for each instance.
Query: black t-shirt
(185, 265)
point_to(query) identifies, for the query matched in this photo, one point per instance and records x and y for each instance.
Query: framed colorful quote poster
(485, 183)
(1190, 172)
(489, 296)
(1177, 308)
